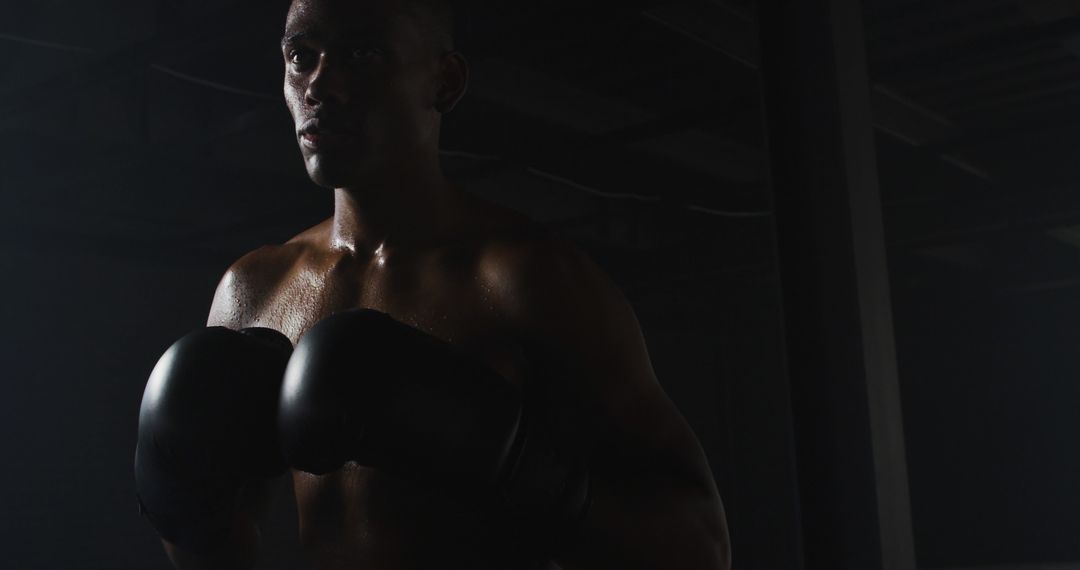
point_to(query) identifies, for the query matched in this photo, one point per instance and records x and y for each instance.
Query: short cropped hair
(439, 19)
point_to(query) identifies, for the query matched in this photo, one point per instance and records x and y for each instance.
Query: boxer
(466, 390)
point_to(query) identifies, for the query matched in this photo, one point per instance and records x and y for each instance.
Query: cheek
(408, 98)
(292, 97)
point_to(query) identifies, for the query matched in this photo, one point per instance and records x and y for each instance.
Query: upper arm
(579, 328)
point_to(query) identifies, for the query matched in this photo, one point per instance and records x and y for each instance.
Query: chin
(321, 178)
(331, 173)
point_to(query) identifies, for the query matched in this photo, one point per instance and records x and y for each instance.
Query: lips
(324, 140)
(320, 134)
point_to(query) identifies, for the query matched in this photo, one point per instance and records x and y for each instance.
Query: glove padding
(363, 387)
(207, 427)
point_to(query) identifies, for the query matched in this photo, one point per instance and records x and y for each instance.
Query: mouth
(323, 140)
(318, 134)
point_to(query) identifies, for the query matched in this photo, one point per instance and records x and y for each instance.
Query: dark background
(146, 146)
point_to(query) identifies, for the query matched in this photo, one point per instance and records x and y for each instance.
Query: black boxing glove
(363, 387)
(207, 427)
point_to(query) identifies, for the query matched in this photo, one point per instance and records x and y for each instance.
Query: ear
(453, 81)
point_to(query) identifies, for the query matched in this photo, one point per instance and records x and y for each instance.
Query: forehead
(333, 18)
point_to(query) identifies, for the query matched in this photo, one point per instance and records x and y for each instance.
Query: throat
(381, 229)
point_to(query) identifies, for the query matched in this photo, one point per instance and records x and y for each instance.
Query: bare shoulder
(579, 330)
(514, 251)
(577, 326)
(571, 319)
(547, 280)
(251, 280)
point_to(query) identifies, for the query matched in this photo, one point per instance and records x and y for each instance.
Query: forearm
(240, 549)
(676, 529)
(238, 552)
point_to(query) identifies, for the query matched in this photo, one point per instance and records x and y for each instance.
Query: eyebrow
(358, 34)
(291, 38)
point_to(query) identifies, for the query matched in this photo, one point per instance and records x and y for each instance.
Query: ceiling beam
(735, 36)
(996, 43)
(132, 58)
(521, 140)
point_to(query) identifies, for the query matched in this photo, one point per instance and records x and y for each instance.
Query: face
(362, 86)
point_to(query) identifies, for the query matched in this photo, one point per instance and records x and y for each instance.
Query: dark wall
(83, 332)
(990, 392)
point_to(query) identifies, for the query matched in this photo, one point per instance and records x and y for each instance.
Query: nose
(327, 83)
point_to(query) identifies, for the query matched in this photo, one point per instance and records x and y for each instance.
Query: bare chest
(445, 299)
(361, 517)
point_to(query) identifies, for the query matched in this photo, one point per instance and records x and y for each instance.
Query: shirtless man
(366, 82)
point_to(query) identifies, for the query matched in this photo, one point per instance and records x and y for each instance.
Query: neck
(393, 211)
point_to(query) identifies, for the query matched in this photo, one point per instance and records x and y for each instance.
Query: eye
(298, 57)
(366, 51)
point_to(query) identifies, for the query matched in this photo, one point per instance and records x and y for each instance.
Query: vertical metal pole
(850, 455)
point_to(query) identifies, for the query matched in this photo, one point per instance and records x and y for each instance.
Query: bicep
(653, 492)
(584, 332)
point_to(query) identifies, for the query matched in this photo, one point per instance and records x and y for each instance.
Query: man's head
(367, 81)
(435, 18)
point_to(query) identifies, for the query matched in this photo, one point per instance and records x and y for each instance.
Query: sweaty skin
(404, 240)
